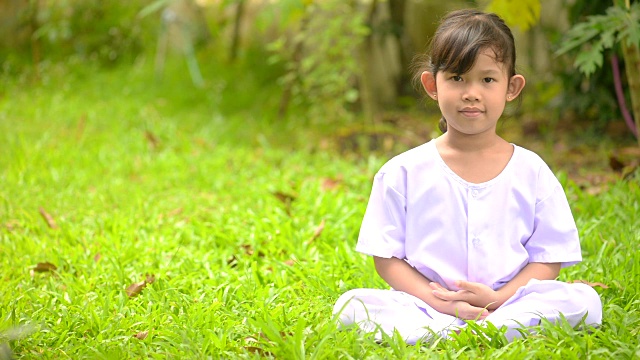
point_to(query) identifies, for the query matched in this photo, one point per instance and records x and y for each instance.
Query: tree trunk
(296, 58)
(36, 49)
(235, 43)
(366, 88)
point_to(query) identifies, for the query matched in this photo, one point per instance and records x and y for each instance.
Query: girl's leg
(374, 310)
(548, 299)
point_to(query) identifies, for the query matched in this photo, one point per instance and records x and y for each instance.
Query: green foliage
(523, 13)
(319, 50)
(601, 32)
(104, 31)
(588, 101)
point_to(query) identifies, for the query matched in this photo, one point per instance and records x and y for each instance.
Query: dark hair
(461, 36)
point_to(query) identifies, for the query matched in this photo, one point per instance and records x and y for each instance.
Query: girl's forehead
(486, 62)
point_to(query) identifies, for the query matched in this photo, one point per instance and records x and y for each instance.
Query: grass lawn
(245, 233)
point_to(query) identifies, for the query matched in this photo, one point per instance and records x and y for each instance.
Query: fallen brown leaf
(48, 218)
(141, 335)
(150, 278)
(256, 350)
(330, 183)
(44, 267)
(596, 189)
(290, 262)
(97, 257)
(232, 261)
(12, 224)
(317, 232)
(152, 139)
(284, 197)
(248, 249)
(592, 284)
(136, 288)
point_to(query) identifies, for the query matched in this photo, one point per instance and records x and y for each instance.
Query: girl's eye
(456, 78)
(488, 80)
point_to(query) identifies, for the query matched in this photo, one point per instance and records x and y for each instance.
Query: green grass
(182, 183)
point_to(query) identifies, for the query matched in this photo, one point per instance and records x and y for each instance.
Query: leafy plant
(318, 50)
(620, 25)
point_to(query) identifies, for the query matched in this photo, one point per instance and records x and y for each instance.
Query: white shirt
(450, 229)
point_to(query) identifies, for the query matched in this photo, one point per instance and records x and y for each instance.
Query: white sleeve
(555, 236)
(382, 232)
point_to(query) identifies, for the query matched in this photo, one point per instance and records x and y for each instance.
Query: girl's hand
(464, 310)
(475, 294)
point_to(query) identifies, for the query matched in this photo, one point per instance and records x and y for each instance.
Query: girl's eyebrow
(483, 72)
(489, 72)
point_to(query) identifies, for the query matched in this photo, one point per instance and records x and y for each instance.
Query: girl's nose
(470, 94)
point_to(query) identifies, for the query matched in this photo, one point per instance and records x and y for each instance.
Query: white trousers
(375, 310)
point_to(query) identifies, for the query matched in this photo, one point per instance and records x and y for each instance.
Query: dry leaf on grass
(44, 267)
(330, 183)
(256, 350)
(232, 261)
(592, 284)
(97, 257)
(286, 199)
(141, 335)
(290, 262)
(152, 139)
(248, 249)
(136, 288)
(317, 232)
(48, 218)
(12, 224)
(150, 278)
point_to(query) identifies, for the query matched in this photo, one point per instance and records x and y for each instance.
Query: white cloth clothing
(383, 311)
(450, 229)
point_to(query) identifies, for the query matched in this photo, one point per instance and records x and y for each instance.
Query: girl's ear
(429, 83)
(516, 84)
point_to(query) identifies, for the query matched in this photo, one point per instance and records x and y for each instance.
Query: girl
(468, 226)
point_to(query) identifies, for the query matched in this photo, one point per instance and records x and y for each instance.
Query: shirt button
(474, 193)
(476, 242)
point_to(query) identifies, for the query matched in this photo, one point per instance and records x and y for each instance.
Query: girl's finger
(466, 285)
(440, 295)
(448, 295)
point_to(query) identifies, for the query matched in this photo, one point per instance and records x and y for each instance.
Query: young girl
(468, 226)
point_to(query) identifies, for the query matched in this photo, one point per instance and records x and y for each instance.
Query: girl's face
(473, 102)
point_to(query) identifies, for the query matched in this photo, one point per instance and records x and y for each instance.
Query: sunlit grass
(224, 207)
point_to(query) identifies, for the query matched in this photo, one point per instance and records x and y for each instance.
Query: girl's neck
(471, 143)
(474, 158)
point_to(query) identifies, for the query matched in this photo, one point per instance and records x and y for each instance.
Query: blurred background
(320, 75)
